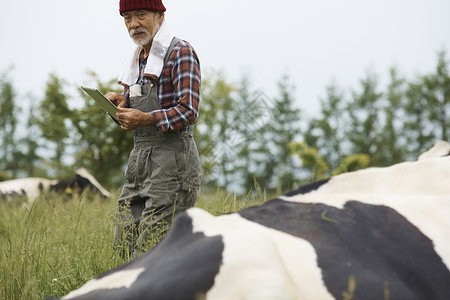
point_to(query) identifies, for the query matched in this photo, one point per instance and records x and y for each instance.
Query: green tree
(51, 119)
(365, 121)
(205, 126)
(317, 165)
(244, 127)
(30, 143)
(212, 125)
(252, 113)
(221, 133)
(8, 125)
(326, 132)
(101, 146)
(311, 160)
(283, 127)
(392, 143)
(418, 130)
(436, 91)
(427, 109)
(351, 163)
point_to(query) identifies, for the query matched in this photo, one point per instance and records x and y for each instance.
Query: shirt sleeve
(126, 93)
(180, 99)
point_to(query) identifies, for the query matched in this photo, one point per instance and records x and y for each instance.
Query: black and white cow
(29, 189)
(441, 148)
(386, 228)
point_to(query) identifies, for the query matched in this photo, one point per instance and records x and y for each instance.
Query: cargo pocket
(130, 172)
(164, 173)
(192, 178)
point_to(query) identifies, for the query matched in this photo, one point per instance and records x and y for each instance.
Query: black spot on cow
(199, 256)
(307, 188)
(375, 244)
(8, 196)
(77, 184)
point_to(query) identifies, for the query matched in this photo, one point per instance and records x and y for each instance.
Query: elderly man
(159, 105)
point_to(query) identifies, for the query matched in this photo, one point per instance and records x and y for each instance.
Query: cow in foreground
(386, 229)
(29, 189)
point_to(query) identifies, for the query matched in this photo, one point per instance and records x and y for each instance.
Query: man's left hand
(130, 118)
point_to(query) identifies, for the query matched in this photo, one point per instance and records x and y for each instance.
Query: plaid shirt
(178, 88)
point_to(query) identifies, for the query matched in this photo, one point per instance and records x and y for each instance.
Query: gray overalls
(163, 177)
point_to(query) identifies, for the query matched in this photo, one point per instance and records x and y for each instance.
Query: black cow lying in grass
(374, 234)
(29, 189)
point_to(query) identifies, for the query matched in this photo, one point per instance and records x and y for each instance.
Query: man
(159, 105)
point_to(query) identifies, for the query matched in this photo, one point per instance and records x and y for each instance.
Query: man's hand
(130, 118)
(119, 100)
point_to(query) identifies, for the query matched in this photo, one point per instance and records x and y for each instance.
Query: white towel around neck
(155, 60)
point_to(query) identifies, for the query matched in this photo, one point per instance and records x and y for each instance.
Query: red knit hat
(153, 5)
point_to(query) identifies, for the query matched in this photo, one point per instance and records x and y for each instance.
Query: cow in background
(384, 230)
(441, 148)
(29, 189)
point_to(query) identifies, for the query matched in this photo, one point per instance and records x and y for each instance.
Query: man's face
(142, 25)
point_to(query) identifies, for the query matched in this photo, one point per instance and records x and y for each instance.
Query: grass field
(54, 246)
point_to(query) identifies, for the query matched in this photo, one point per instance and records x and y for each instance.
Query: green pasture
(55, 245)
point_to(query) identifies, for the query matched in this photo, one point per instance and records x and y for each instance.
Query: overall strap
(169, 50)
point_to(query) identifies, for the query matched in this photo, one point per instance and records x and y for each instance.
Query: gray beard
(145, 41)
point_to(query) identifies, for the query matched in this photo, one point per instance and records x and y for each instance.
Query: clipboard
(107, 105)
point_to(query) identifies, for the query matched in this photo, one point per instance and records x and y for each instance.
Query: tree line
(247, 140)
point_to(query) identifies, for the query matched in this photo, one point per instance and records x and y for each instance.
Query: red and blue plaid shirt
(178, 88)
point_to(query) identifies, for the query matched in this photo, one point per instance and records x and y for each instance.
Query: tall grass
(55, 245)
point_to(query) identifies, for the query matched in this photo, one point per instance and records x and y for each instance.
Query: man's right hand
(119, 100)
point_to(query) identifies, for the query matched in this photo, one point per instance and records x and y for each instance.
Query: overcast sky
(314, 42)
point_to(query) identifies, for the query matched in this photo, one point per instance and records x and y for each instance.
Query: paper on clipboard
(107, 105)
